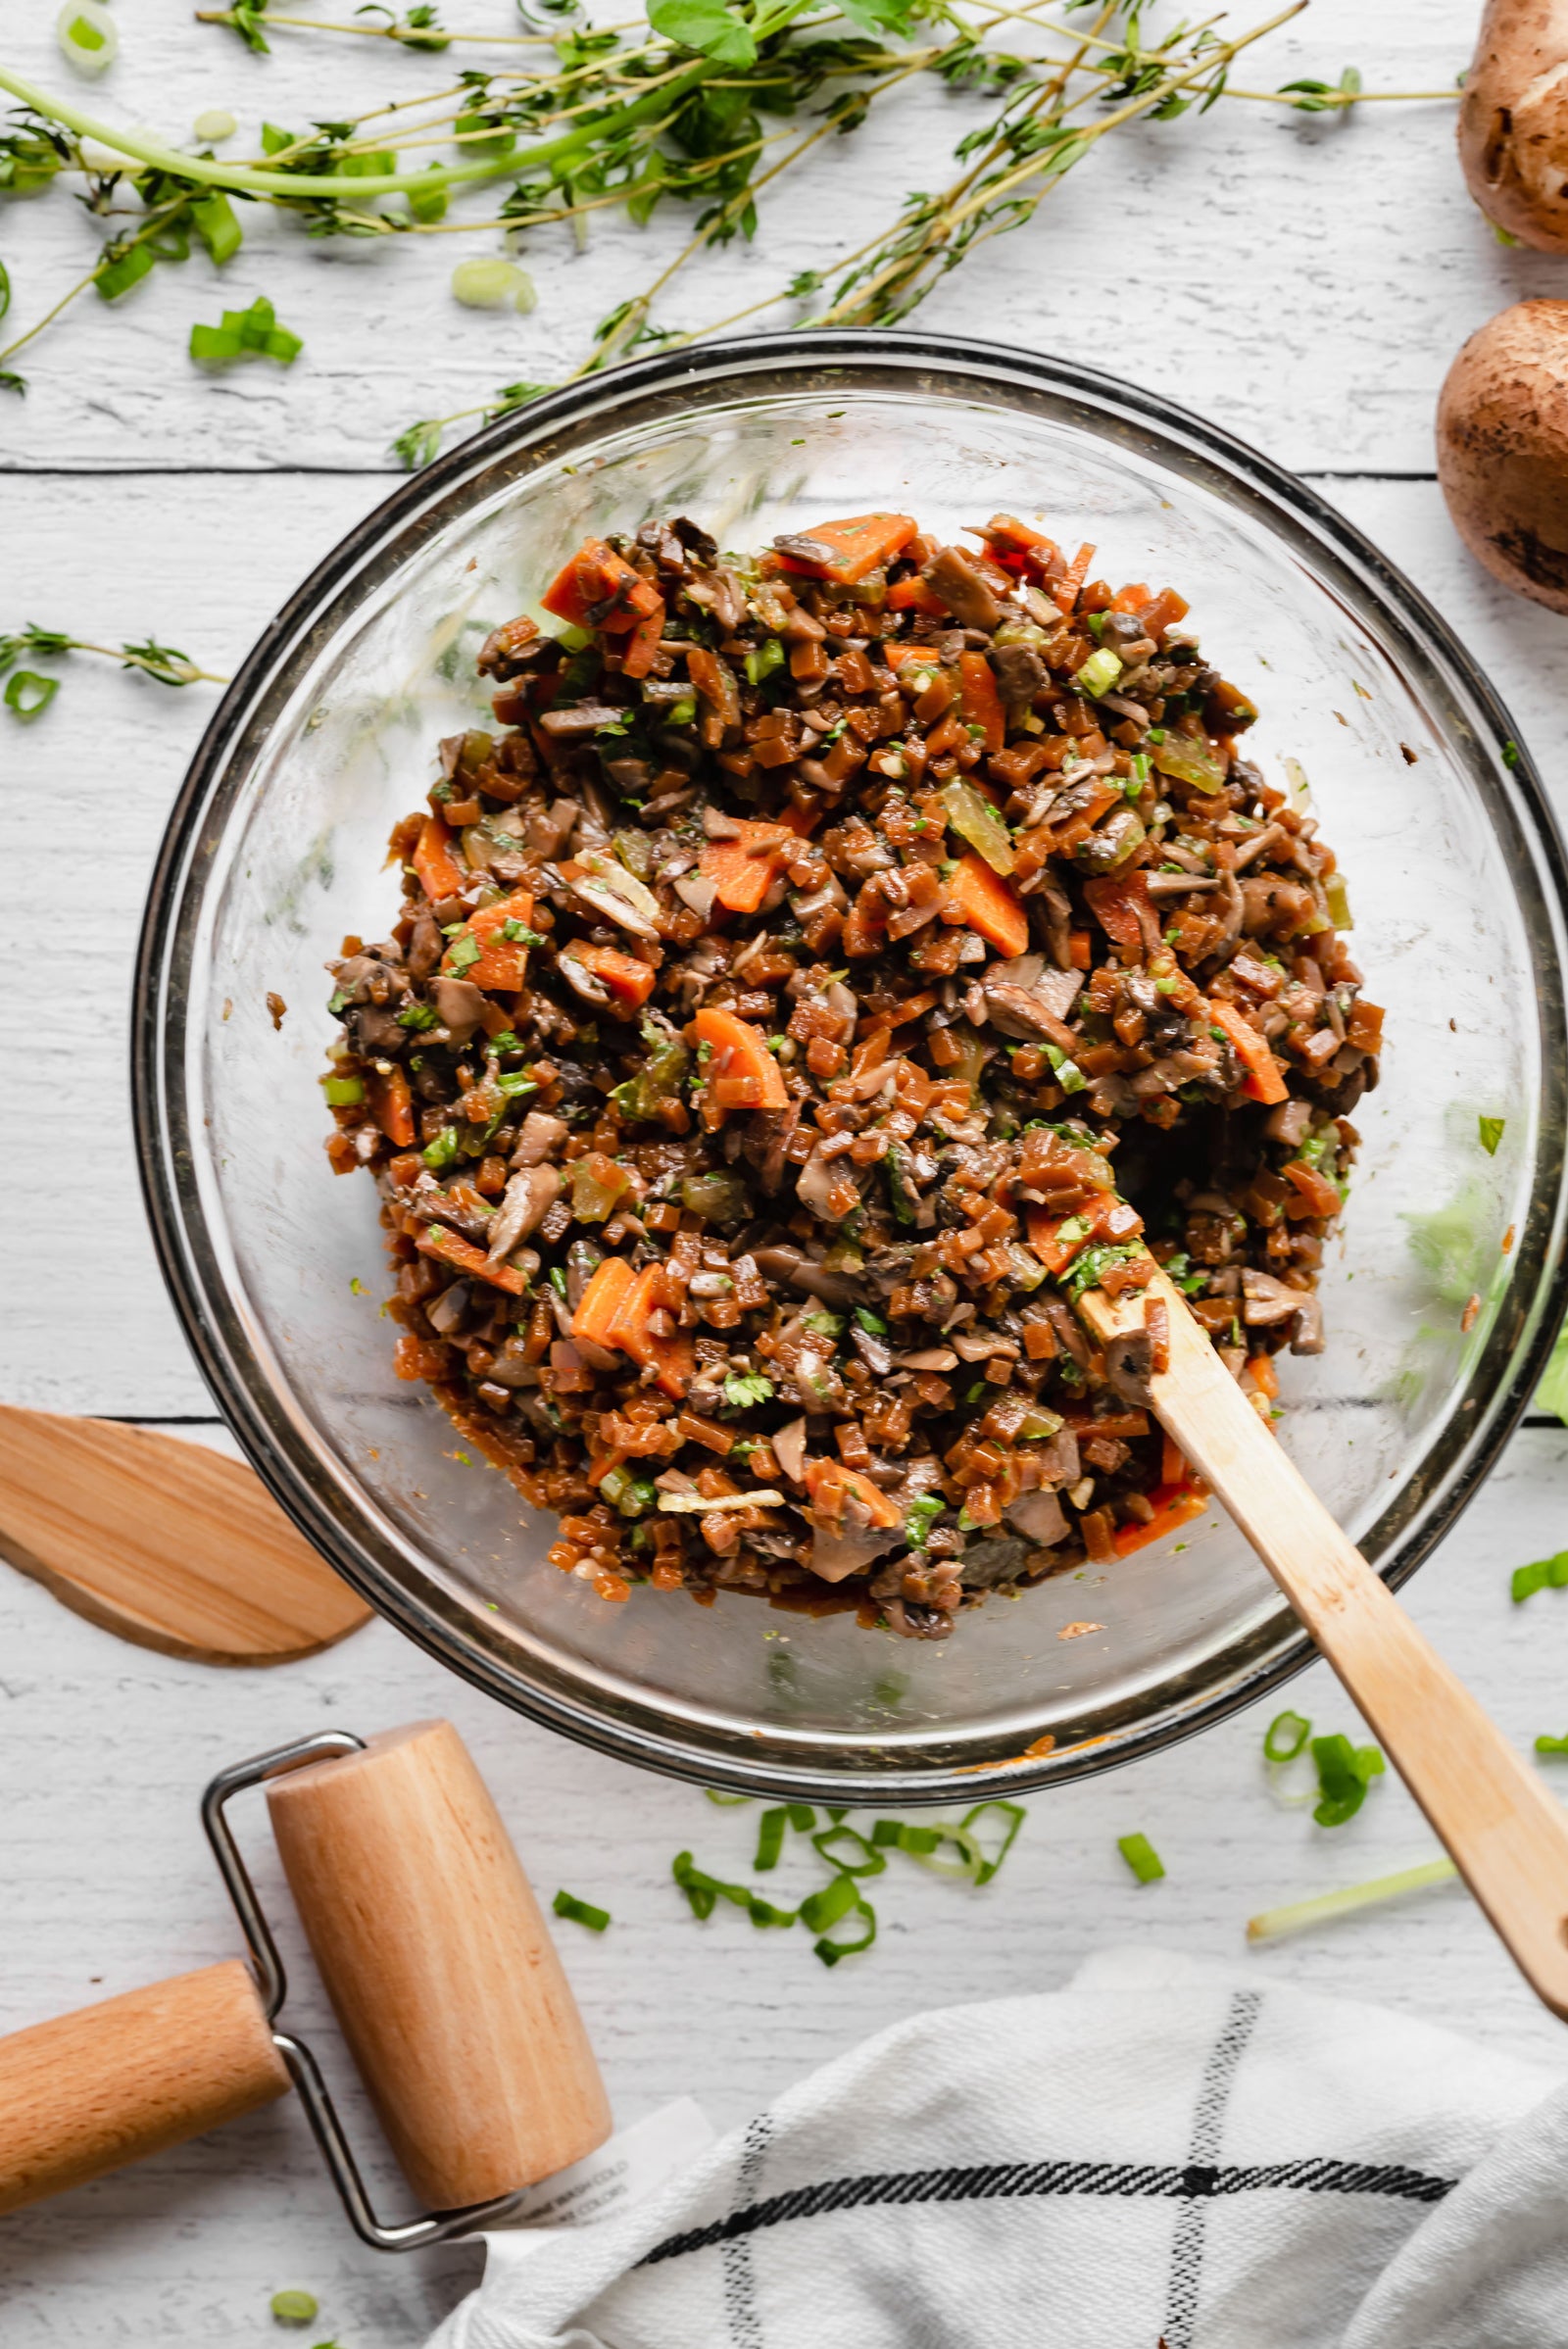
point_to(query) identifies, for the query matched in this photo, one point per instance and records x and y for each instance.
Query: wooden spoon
(168, 1543)
(1504, 1831)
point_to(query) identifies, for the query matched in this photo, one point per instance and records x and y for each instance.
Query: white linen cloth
(1159, 2153)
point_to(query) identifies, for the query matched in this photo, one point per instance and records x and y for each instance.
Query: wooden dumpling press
(440, 1969)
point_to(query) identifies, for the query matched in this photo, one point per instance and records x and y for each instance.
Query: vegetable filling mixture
(836, 961)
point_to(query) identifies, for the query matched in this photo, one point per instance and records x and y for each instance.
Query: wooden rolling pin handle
(91, 2092)
(439, 1966)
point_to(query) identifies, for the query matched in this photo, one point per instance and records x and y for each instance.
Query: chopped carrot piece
(829, 1484)
(452, 1249)
(1166, 607)
(914, 594)
(1006, 530)
(857, 546)
(503, 961)
(439, 876)
(865, 925)
(1057, 1239)
(1171, 1508)
(1173, 1468)
(672, 1357)
(1263, 1375)
(594, 574)
(393, 1105)
(980, 701)
(602, 1300)
(991, 904)
(1320, 1194)
(1263, 1079)
(1080, 946)
(624, 976)
(1131, 599)
(1064, 595)
(741, 1051)
(744, 870)
(643, 642)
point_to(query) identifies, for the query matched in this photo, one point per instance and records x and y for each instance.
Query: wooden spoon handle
(1505, 1831)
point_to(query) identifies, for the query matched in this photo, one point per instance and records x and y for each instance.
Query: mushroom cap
(1502, 449)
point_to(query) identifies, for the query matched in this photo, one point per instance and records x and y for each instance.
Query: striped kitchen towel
(1159, 2153)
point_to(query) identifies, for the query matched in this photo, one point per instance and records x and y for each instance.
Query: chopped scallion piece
(865, 1860)
(1546, 1744)
(830, 1951)
(1099, 672)
(1285, 1737)
(1542, 1574)
(1344, 1774)
(1491, 1133)
(1274, 1923)
(294, 2308)
(725, 1802)
(819, 1909)
(770, 1839)
(1142, 1858)
(342, 1093)
(253, 333)
(1012, 1815)
(580, 1912)
(88, 36)
(444, 1151)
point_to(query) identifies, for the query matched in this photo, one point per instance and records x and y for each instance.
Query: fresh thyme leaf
(706, 26)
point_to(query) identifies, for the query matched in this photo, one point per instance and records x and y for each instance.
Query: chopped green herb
(1491, 1133)
(515, 1082)
(1344, 1774)
(920, 1516)
(580, 1912)
(414, 1016)
(1142, 1858)
(1285, 1737)
(1510, 752)
(444, 1151)
(1543, 1574)
(826, 1325)
(1551, 1745)
(744, 1389)
(872, 1323)
(464, 953)
(520, 933)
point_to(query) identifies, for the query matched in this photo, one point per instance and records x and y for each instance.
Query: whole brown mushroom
(1514, 120)
(1502, 449)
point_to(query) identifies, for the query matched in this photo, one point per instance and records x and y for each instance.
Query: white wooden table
(1326, 272)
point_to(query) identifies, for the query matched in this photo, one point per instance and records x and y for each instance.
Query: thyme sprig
(164, 665)
(708, 103)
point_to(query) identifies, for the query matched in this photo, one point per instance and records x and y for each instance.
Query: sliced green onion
(770, 1839)
(28, 695)
(216, 226)
(1299, 1915)
(923, 1845)
(702, 1892)
(681, 714)
(1344, 1774)
(444, 1151)
(764, 659)
(1015, 1815)
(120, 275)
(493, 285)
(515, 1082)
(252, 333)
(1142, 1858)
(830, 1951)
(865, 1859)
(920, 1516)
(1543, 1574)
(294, 2308)
(214, 125)
(819, 1909)
(342, 1093)
(725, 1802)
(1099, 672)
(1285, 1737)
(801, 1817)
(1546, 1744)
(1491, 1132)
(88, 36)
(426, 203)
(580, 1912)
(1141, 768)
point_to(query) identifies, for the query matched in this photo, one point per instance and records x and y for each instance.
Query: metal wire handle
(273, 1985)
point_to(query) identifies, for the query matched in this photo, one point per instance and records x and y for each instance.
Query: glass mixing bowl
(1442, 1297)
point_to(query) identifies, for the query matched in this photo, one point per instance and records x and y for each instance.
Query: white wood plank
(101, 1839)
(1303, 280)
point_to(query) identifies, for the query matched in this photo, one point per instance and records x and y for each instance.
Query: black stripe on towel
(1011, 2181)
(1203, 2152)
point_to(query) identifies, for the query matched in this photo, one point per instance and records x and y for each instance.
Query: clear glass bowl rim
(164, 1140)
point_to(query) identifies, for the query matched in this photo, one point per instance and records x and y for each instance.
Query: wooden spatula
(168, 1543)
(1506, 1834)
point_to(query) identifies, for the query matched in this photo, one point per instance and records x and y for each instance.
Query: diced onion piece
(692, 1504)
